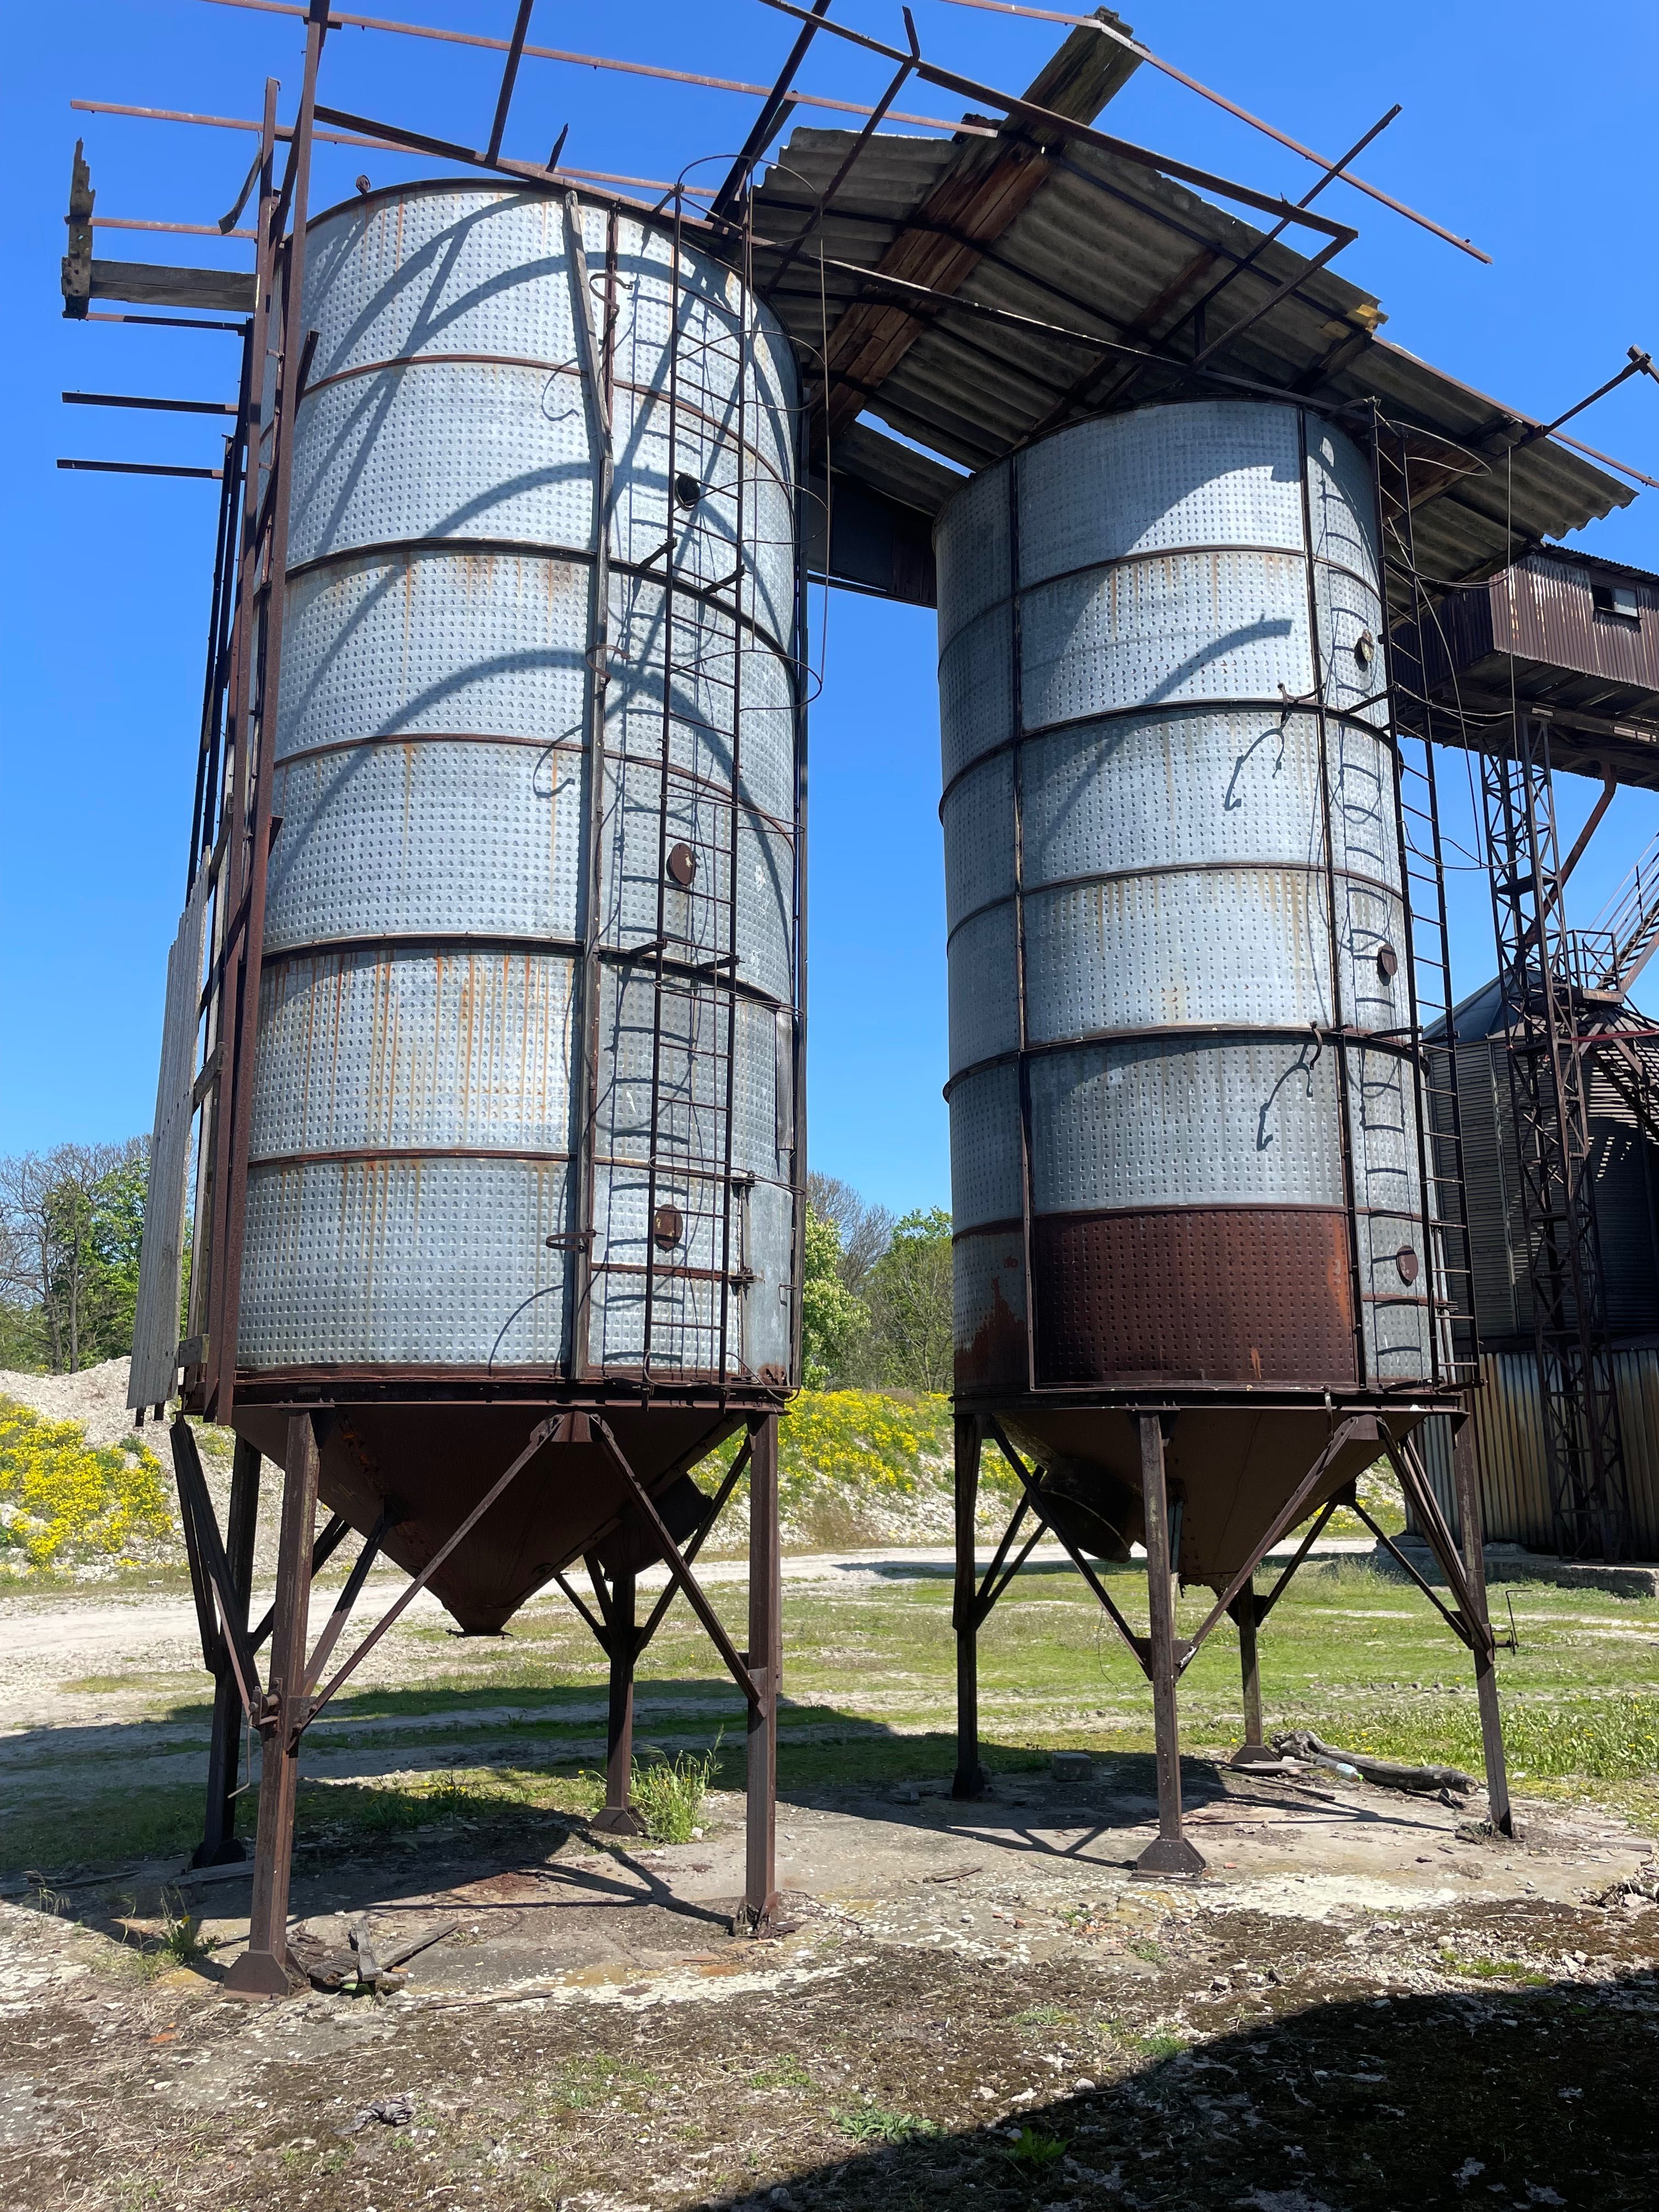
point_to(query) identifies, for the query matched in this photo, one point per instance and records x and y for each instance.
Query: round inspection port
(687, 490)
(683, 866)
(1365, 645)
(666, 1226)
(1405, 1259)
(1388, 962)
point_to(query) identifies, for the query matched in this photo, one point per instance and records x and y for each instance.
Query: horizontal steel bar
(140, 469)
(161, 406)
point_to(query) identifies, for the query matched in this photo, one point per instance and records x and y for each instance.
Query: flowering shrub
(59, 1495)
(864, 1466)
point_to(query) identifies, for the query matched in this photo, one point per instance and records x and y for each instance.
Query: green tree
(833, 1320)
(910, 1303)
(71, 1222)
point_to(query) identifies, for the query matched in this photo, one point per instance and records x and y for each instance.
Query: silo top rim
(507, 188)
(1289, 403)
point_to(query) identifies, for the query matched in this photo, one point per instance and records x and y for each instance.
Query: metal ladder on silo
(689, 1312)
(1440, 1147)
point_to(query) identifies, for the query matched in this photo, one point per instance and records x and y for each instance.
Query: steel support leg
(219, 1845)
(265, 1968)
(1170, 1854)
(1466, 1477)
(760, 1895)
(618, 1817)
(971, 1779)
(1254, 1751)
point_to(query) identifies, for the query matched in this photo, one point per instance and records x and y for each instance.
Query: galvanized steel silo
(525, 1113)
(1184, 1107)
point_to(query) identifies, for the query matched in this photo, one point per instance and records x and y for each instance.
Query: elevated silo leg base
(765, 1664)
(618, 1816)
(1246, 1614)
(971, 1780)
(1170, 1855)
(1466, 1476)
(267, 1968)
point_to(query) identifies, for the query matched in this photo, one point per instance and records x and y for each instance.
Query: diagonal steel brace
(681, 1573)
(1139, 1645)
(194, 1497)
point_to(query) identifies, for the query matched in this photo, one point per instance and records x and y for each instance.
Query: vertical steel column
(970, 1778)
(1169, 1854)
(1466, 1479)
(219, 1845)
(765, 1664)
(264, 1969)
(1253, 1752)
(618, 1818)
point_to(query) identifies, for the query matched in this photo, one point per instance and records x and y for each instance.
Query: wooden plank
(152, 284)
(987, 187)
(161, 1259)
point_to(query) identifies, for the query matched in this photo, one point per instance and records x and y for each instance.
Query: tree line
(877, 1297)
(71, 1223)
(876, 1303)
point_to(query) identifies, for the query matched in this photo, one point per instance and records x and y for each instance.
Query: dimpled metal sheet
(410, 839)
(1196, 892)
(1174, 626)
(419, 1039)
(1175, 1122)
(985, 1148)
(388, 1261)
(1107, 490)
(389, 1048)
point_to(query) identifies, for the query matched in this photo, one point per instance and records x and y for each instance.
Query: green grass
(1494, 1969)
(1034, 2150)
(868, 1701)
(878, 2124)
(668, 1791)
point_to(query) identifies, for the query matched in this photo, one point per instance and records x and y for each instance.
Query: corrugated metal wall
(1515, 1487)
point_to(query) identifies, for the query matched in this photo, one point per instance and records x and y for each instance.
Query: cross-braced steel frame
(1162, 1654)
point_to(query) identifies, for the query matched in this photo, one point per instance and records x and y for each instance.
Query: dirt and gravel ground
(1358, 2007)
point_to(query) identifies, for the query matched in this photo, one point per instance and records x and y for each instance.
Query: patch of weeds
(668, 1792)
(1493, 1969)
(1160, 2047)
(1033, 2150)
(877, 2124)
(1153, 1953)
(1044, 2016)
(181, 1942)
(595, 2077)
(784, 2073)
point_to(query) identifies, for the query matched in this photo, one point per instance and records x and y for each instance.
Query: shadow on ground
(1541, 2095)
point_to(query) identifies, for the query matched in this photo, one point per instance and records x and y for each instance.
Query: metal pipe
(509, 78)
(219, 1845)
(597, 62)
(1466, 1477)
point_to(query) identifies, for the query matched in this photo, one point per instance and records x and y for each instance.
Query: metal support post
(1246, 1612)
(1169, 1854)
(265, 1968)
(971, 1779)
(219, 1845)
(618, 1817)
(765, 1663)
(1466, 1477)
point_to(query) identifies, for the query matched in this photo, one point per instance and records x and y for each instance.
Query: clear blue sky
(1530, 133)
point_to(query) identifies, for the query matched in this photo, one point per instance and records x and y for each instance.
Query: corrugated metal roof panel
(1102, 241)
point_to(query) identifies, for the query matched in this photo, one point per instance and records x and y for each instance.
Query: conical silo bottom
(431, 1464)
(1233, 1468)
